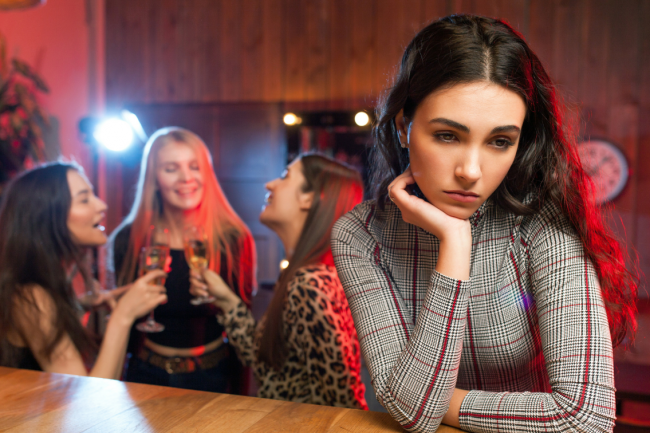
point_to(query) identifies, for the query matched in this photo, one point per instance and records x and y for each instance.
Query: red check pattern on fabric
(527, 334)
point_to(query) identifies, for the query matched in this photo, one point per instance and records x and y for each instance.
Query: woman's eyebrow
(83, 191)
(461, 127)
(506, 128)
(450, 123)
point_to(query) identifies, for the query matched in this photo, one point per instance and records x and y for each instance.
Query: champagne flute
(195, 242)
(91, 296)
(154, 256)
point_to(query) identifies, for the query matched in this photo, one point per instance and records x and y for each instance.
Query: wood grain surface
(34, 402)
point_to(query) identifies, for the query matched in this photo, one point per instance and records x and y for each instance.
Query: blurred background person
(305, 348)
(177, 188)
(49, 217)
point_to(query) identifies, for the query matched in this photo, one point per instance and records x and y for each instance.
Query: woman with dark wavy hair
(485, 288)
(48, 219)
(305, 348)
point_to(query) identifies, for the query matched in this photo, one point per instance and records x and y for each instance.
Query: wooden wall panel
(273, 51)
(566, 71)
(318, 34)
(279, 50)
(364, 49)
(512, 11)
(642, 173)
(340, 54)
(623, 117)
(595, 43)
(395, 26)
(541, 27)
(341, 51)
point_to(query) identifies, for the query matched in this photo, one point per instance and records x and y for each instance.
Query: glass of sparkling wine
(154, 256)
(197, 255)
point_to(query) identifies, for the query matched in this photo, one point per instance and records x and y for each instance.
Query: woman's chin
(268, 222)
(457, 211)
(188, 206)
(96, 238)
(95, 241)
(272, 223)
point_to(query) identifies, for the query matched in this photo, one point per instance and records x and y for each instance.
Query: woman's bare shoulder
(35, 309)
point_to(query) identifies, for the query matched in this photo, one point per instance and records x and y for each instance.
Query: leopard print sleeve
(240, 327)
(321, 329)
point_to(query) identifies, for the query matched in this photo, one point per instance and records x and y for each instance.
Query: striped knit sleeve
(575, 341)
(413, 366)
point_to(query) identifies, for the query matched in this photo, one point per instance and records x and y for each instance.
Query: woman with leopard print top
(305, 348)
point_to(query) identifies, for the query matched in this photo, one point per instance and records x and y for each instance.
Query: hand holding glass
(154, 256)
(197, 255)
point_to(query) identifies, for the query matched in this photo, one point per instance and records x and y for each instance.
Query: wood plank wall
(341, 54)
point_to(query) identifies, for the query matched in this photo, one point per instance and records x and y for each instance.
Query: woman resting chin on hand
(454, 233)
(485, 288)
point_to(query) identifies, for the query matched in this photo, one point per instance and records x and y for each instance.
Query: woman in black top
(177, 188)
(49, 217)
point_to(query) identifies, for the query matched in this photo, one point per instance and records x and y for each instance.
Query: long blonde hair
(229, 238)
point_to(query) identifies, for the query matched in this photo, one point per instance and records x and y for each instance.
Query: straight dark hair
(337, 189)
(463, 49)
(35, 248)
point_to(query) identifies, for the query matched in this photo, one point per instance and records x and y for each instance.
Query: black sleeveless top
(186, 325)
(26, 359)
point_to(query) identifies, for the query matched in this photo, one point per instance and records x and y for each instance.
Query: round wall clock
(606, 165)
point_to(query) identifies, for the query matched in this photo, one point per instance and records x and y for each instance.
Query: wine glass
(154, 256)
(91, 297)
(197, 253)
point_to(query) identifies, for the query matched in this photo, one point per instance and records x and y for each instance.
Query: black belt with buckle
(182, 364)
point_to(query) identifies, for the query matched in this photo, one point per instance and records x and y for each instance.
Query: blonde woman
(177, 188)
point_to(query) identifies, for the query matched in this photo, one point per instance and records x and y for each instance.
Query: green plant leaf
(26, 71)
(20, 133)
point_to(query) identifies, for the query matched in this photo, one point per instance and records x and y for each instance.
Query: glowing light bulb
(361, 118)
(290, 119)
(114, 134)
(284, 263)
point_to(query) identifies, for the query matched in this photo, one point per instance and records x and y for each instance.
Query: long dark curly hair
(465, 48)
(35, 247)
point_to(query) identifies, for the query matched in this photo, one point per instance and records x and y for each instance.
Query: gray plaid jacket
(527, 334)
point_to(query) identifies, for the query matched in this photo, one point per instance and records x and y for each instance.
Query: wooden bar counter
(33, 402)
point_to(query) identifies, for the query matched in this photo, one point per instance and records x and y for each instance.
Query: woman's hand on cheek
(423, 214)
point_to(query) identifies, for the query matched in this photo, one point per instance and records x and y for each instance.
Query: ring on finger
(390, 196)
